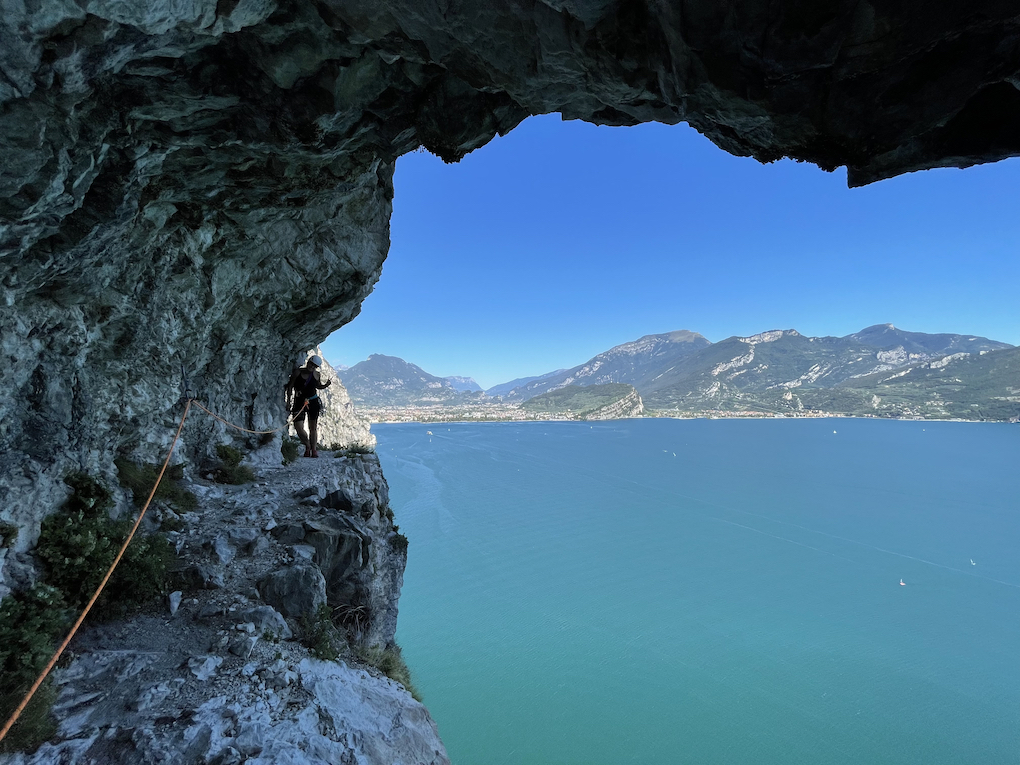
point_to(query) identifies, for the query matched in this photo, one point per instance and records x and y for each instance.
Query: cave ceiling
(206, 185)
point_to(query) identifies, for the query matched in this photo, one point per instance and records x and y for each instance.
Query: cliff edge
(272, 652)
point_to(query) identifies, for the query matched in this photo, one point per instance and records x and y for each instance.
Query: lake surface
(669, 591)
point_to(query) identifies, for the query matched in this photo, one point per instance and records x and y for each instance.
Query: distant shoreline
(411, 420)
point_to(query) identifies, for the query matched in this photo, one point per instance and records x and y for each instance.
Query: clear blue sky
(562, 239)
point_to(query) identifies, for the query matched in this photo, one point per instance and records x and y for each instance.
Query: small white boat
(902, 583)
(972, 562)
(428, 432)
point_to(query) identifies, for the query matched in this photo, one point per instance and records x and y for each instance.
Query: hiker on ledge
(304, 387)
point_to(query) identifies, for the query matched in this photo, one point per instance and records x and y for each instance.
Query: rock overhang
(208, 185)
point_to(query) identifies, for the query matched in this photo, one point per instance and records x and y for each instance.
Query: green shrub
(8, 534)
(390, 661)
(78, 543)
(139, 478)
(289, 448)
(232, 471)
(349, 450)
(76, 546)
(398, 541)
(230, 455)
(31, 623)
(320, 635)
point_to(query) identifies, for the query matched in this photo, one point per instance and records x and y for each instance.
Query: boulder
(295, 591)
(268, 621)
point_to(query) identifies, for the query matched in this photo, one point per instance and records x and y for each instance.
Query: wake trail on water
(784, 539)
(872, 547)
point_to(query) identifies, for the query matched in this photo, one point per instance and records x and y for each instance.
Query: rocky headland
(609, 401)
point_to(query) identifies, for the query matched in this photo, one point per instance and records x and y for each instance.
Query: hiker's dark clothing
(306, 387)
(313, 409)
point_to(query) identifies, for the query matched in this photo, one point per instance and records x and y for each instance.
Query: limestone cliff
(205, 186)
(223, 672)
(629, 405)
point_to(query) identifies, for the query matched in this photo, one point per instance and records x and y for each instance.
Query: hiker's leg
(313, 435)
(299, 426)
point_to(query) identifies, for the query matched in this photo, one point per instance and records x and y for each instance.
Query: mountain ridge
(620, 364)
(776, 371)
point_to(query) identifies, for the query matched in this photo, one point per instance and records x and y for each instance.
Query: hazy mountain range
(391, 381)
(880, 370)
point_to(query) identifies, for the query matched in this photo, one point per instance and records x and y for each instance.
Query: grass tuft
(232, 471)
(390, 661)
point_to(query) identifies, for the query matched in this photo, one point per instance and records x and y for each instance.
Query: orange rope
(238, 427)
(56, 656)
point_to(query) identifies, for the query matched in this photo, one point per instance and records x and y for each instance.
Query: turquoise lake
(712, 591)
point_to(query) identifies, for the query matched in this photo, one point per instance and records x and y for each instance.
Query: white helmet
(317, 360)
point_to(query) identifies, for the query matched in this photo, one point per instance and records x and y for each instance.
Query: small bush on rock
(31, 623)
(289, 448)
(349, 450)
(8, 534)
(398, 541)
(232, 471)
(139, 478)
(78, 543)
(320, 635)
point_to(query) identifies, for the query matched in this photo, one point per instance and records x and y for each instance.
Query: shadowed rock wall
(208, 183)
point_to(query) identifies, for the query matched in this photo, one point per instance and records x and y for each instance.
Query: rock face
(219, 676)
(634, 363)
(628, 406)
(608, 401)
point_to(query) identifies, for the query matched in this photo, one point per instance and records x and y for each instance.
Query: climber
(304, 387)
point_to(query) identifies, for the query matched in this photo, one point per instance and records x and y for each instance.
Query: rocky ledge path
(217, 675)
